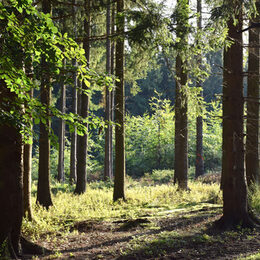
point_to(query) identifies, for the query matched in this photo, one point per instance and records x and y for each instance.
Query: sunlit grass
(97, 204)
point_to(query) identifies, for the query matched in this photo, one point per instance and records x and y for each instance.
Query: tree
(235, 207)
(25, 33)
(181, 101)
(199, 170)
(82, 144)
(10, 175)
(108, 110)
(252, 122)
(27, 175)
(119, 181)
(73, 149)
(43, 187)
(61, 173)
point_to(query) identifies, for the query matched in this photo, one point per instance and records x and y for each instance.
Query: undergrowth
(97, 204)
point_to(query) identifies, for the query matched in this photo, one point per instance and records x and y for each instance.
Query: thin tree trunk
(199, 170)
(27, 176)
(82, 145)
(113, 91)
(235, 207)
(108, 118)
(119, 182)
(252, 125)
(73, 149)
(181, 112)
(61, 173)
(43, 189)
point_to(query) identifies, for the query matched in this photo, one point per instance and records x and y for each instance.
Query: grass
(156, 220)
(97, 204)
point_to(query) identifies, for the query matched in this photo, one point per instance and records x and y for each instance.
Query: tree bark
(61, 173)
(199, 169)
(73, 149)
(108, 112)
(181, 110)
(11, 178)
(43, 188)
(82, 144)
(235, 207)
(27, 178)
(119, 181)
(252, 123)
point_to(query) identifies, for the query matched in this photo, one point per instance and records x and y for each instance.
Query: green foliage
(254, 198)
(150, 138)
(27, 36)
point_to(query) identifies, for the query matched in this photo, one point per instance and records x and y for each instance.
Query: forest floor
(183, 233)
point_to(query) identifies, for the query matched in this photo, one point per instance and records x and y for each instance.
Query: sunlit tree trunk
(73, 149)
(199, 170)
(108, 112)
(61, 173)
(43, 188)
(181, 106)
(82, 144)
(252, 125)
(235, 201)
(27, 176)
(119, 181)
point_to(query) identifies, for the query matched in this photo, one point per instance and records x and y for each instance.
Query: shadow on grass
(187, 236)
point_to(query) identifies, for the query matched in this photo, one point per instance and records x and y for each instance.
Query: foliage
(27, 36)
(150, 138)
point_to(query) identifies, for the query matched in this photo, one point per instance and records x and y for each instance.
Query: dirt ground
(168, 235)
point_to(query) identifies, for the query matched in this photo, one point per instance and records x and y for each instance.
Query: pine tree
(43, 188)
(119, 181)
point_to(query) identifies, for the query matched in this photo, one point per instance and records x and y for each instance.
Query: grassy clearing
(97, 204)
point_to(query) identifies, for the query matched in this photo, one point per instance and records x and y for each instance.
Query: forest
(129, 129)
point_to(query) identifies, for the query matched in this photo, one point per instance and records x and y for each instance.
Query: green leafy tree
(26, 33)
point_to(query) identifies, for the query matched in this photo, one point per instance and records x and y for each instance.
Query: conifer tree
(119, 181)
(82, 144)
(181, 100)
(43, 187)
(252, 122)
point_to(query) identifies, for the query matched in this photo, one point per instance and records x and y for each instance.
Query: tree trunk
(181, 108)
(61, 173)
(199, 170)
(27, 176)
(252, 123)
(73, 149)
(235, 207)
(11, 179)
(119, 182)
(82, 144)
(108, 112)
(43, 190)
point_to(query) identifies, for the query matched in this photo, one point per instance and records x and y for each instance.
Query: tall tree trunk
(199, 170)
(181, 108)
(119, 182)
(27, 176)
(252, 123)
(73, 149)
(43, 189)
(113, 91)
(11, 179)
(235, 207)
(82, 144)
(61, 173)
(108, 111)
